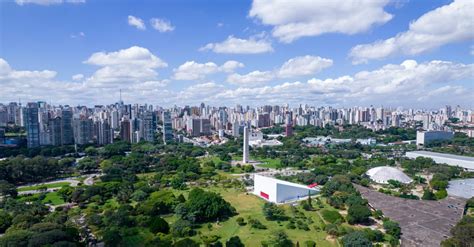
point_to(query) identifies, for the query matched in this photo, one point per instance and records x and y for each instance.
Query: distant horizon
(23, 103)
(416, 54)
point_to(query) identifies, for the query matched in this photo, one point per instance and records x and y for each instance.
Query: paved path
(423, 223)
(73, 181)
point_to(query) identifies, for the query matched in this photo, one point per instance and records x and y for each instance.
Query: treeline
(21, 170)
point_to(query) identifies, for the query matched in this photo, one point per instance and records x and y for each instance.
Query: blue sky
(335, 52)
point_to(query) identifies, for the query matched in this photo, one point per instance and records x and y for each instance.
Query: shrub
(310, 243)
(331, 216)
(254, 223)
(240, 221)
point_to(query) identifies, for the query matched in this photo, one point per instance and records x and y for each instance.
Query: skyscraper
(245, 156)
(32, 125)
(83, 130)
(167, 128)
(55, 131)
(148, 133)
(67, 135)
(125, 130)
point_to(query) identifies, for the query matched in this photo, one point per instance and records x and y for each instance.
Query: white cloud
(134, 55)
(304, 65)
(408, 84)
(47, 2)
(136, 22)
(191, 70)
(161, 25)
(77, 77)
(77, 35)
(232, 45)
(132, 65)
(447, 24)
(251, 79)
(294, 67)
(231, 66)
(301, 18)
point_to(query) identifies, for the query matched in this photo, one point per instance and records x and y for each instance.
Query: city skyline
(383, 53)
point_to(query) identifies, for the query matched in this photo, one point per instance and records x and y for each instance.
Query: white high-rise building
(245, 156)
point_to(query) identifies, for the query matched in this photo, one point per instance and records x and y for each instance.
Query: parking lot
(423, 223)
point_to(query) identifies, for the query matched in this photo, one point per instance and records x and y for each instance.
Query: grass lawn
(50, 198)
(248, 205)
(36, 187)
(53, 198)
(270, 163)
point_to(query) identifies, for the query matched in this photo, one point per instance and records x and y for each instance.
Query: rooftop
(443, 155)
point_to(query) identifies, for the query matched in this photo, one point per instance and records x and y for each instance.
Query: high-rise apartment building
(245, 154)
(32, 125)
(167, 128)
(67, 135)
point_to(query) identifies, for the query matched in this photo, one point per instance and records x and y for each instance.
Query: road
(73, 181)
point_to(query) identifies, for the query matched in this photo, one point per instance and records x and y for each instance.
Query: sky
(417, 54)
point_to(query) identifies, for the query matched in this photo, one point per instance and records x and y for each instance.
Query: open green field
(270, 163)
(49, 186)
(248, 205)
(50, 198)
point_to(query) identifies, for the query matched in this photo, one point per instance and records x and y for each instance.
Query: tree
(279, 239)
(356, 239)
(7, 189)
(5, 221)
(206, 206)
(392, 228)
(181, 228)
(186, 242)
(158, 224)
(273, 212)
(234, 242)
(66, 193)
(428, 195)
(358, 214)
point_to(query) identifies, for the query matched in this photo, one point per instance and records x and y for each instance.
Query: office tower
(3, 117)
(245, 156)
(32, 125)
(204, 126)
(67, 135)
(55, 131)
(148, 133)
(12, 110)
(288, 130)
(83, 131)
(114, 119)
(2, 135)
(104, 134)
(236, 129)
(125, 130)
(167, 130)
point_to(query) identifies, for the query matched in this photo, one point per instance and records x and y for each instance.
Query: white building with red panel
(279, 191)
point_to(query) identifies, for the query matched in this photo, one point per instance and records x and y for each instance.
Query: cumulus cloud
(136, 22)
(192, 70)
(133, 64)
(408, 83)
(393, 84)
(304, 65)
(77, 77)
(233, 45)
(447, 24)
(161, 25)
(47, 2)
(294, 67)
(292, 20)
(231, 65)
(251, 79)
